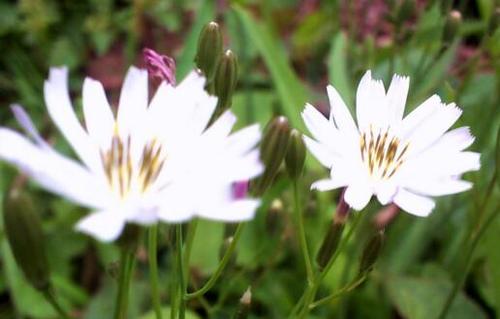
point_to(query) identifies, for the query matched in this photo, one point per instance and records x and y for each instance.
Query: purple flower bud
(160, 66)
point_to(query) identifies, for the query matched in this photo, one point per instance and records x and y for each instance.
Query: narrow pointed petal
(244, 140)
(25, 122)
(104, 226)
(51, 170)
(133, 100)
(357, 195)
(414, 204)
(371, 103)
(239, 210)
(99, 118)
(322, 153)
(328, 184)
(396, 98)
(62, 113)
(339, 111)
(437, 187)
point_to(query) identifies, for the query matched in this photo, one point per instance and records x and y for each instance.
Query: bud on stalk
(244, 305)
(451, 26)
(272, 151)
(371, 252)
(209, 49)
(24, 233)
(225, 81)
(296, 155)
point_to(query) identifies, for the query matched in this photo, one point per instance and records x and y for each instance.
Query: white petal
(371, 103)
(244, 140)
(25, 121)
(413, 203)
(418, 115)
(222, 126)
(322, 153)
(52, 171)
(455, 140)
(63, 115)
(328, 184)
(104, 226)
(432, 128)
(358, 195)
(385, 192)
(396, 97)
(239, 210)
(133, 100)
(99, 118)
(339, 111)
(437, 187)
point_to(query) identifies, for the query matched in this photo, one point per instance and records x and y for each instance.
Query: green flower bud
(452, 26)
(371, 252)
(296, 155)
(244, 305)
(24, 233)
(209, 49)
(225, 80)
(272, 151)
(330, 244)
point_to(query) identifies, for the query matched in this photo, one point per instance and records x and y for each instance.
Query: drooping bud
(225, 81)
(159, 66)
(371, 252)
(452, 26)
(272, 151)
(333, 235)
(24, 232)
(209, 49)
(296, 155)
(244, 305)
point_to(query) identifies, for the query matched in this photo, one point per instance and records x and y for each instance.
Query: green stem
(311, 290)
(475, 237)
(180, 271)
(301, 232)
(225, 259)
(339, 293)
(49, 295)
(153, 269)
(126, 266)
(189, 243)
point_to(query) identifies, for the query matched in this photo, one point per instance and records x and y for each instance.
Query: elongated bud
(371, 252)
(225, 80)
(274, 217)
(333, 235)
(244, 305)
(272, 151)
(24, 233)
(209, 49)
(296, 155)
(452, 26)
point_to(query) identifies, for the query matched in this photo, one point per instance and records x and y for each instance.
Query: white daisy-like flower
(147, 163)
(400, 160)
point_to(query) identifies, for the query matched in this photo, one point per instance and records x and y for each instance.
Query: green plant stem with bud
(307, 298)
(220, 268)
(50, 297)
(127, 262)
(153, 269)
(299, 221)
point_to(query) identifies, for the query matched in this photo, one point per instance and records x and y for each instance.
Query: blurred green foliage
(288, 51)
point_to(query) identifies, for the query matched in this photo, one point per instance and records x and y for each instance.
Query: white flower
(148, 163)
(404, 161)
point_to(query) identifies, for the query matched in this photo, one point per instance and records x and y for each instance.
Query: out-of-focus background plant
(288, 51)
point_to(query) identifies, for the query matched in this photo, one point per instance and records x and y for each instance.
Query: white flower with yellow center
(400, 160)
(149, 163)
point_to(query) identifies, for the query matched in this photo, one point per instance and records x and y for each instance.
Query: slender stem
(189, 243)
(180, 271)
(153, 269)
(126, 267)
(49, 295)
(225, 259)
(358, 281)
(301, 232)
(310, 292)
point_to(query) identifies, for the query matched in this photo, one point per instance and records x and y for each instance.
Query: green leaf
(185, 62)
(291, 92)
(423, 298)
(337, 69)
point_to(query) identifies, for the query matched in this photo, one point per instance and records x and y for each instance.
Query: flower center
(382, 153)
(123, 176)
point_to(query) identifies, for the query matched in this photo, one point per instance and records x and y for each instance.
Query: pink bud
(160, 66)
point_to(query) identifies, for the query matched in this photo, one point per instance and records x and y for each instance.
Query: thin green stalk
(301, 232)
(180, 271)
(153, 269)
(339, 293)
(225, 259)
(49, 295)
(126, 268)
(310, 292)
(189, 243)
